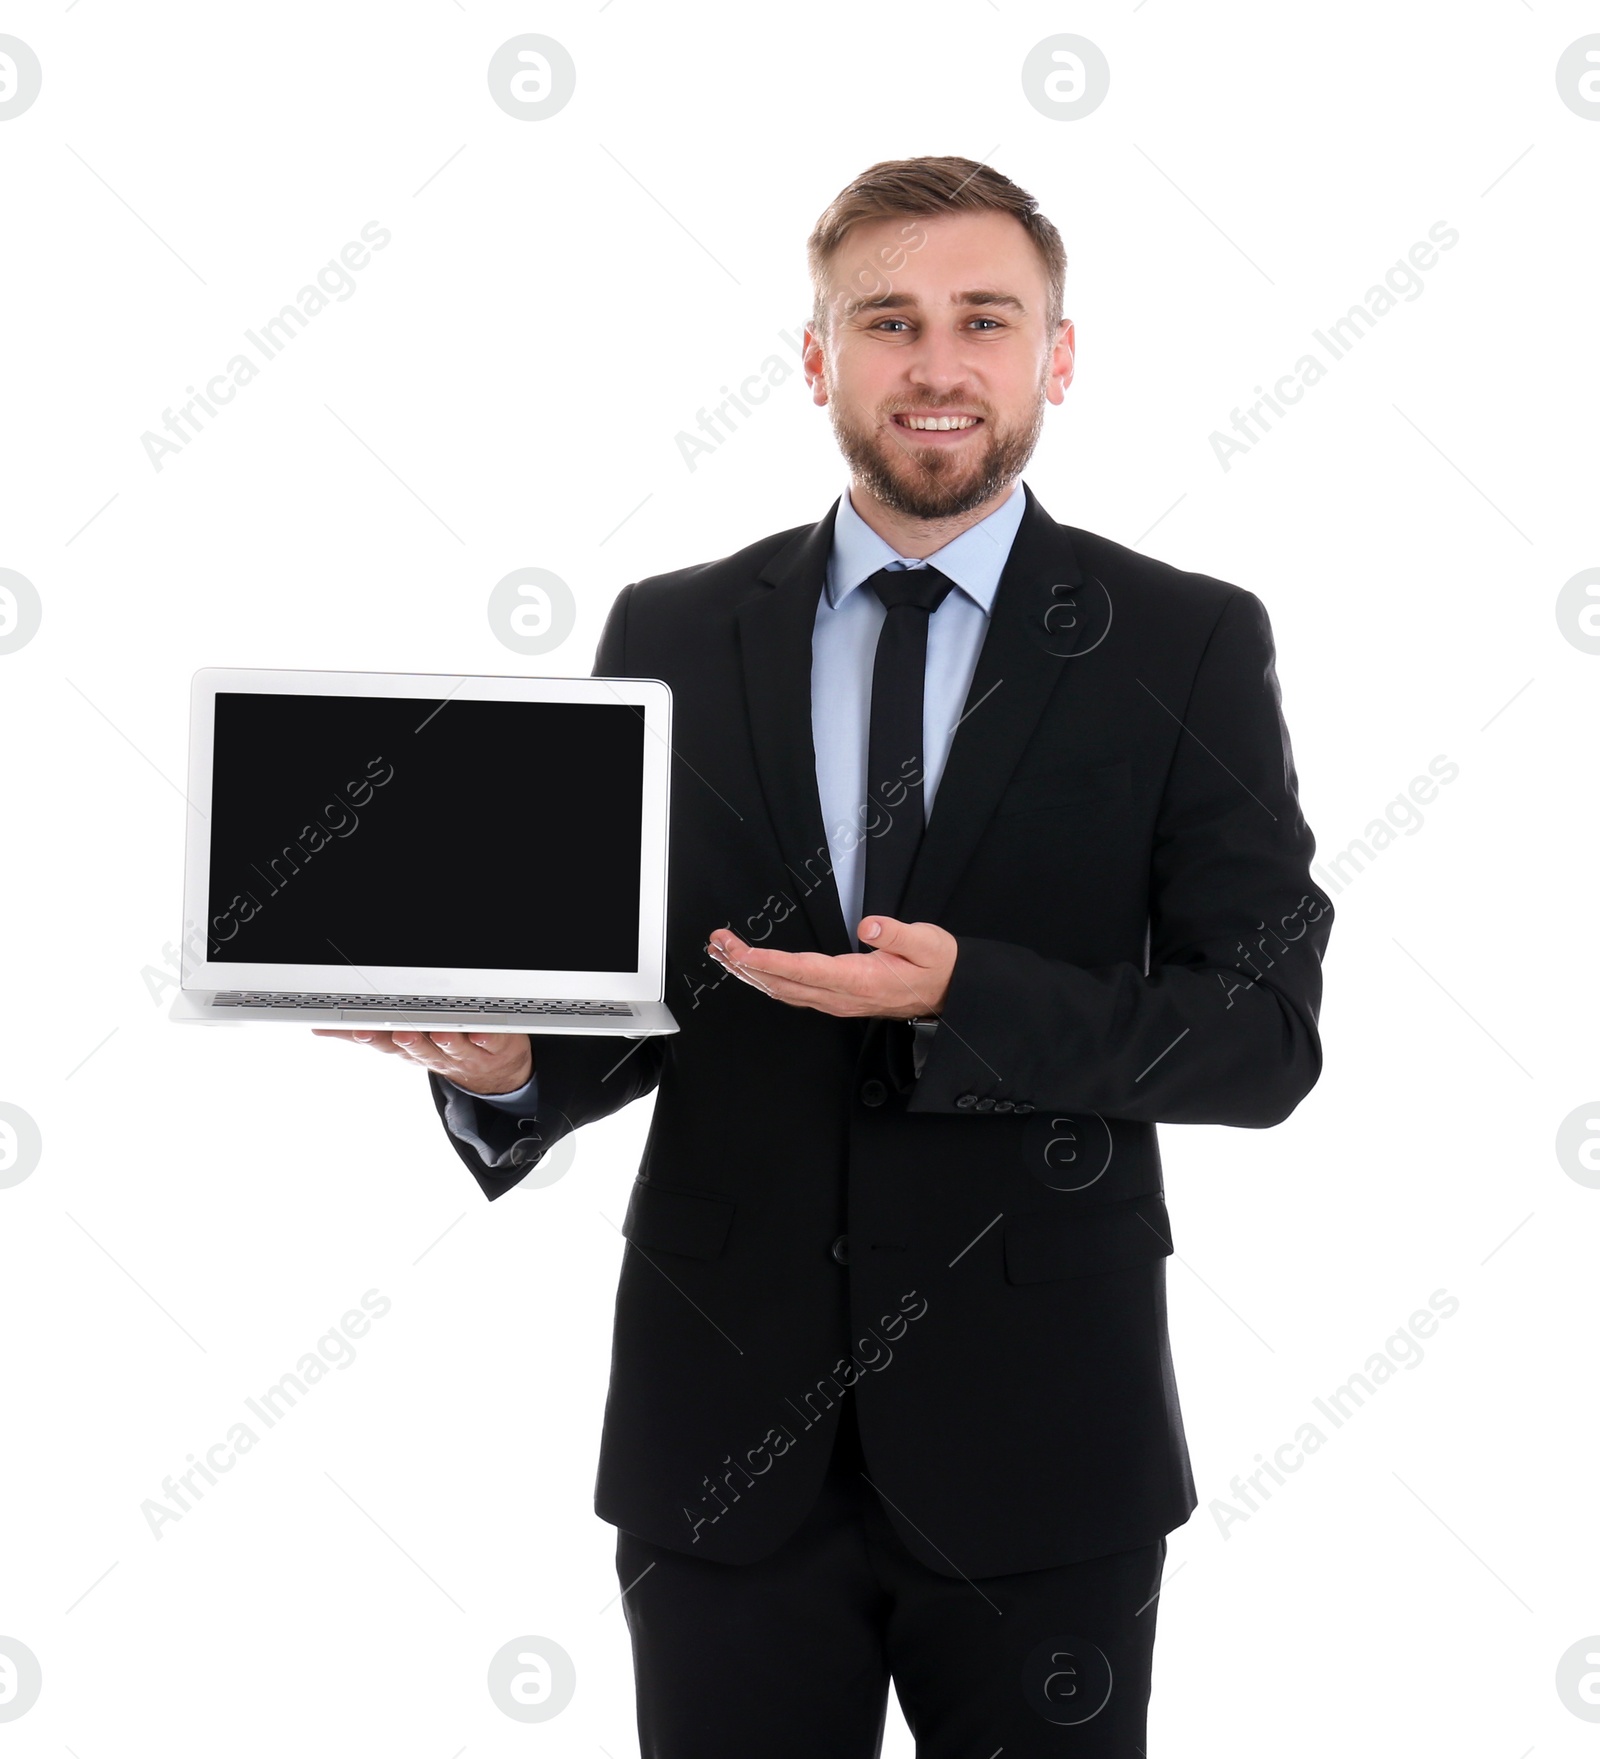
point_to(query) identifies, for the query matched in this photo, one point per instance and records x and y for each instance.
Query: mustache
(951, 408)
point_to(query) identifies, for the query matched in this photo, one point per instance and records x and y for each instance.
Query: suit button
(873, 1092)
(967, 1101)
(1004, 1105)
(1022, 1107)
(985, 1105)
(841, 1249)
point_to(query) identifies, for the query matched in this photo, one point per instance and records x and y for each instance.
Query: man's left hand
(905, 975)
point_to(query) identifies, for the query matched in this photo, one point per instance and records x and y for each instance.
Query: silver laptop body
(427, 851)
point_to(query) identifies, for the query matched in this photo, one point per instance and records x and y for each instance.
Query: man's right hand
(481, 1062)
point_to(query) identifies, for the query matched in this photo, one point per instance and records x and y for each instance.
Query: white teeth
(940, 423)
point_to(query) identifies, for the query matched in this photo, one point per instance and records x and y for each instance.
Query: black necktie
(894, 739)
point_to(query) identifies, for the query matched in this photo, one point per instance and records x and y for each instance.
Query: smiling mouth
(938, 424)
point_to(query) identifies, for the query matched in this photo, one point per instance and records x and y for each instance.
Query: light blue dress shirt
(844, 641)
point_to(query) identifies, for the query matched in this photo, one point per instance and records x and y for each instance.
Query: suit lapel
(1015, 674)
(775, 631)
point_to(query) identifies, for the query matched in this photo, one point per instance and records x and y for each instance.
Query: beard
(928, 482)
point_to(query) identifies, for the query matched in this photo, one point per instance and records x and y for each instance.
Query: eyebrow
(902, 301)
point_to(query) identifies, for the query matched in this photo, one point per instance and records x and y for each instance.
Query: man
(891, 1392)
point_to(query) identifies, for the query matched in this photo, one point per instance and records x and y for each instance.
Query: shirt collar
(973, 560)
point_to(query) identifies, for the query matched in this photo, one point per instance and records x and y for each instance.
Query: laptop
(394, 850)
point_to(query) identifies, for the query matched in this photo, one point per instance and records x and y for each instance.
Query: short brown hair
(928, 186)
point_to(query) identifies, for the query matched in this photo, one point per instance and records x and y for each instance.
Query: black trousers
(791, 1657)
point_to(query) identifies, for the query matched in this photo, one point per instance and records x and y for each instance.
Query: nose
(936, 362)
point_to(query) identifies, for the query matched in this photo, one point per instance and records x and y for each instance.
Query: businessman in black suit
(892, 1396)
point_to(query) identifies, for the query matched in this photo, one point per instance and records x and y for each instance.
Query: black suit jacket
(1117, 846)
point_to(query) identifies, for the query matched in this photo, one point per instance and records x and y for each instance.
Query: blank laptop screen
(358, 831)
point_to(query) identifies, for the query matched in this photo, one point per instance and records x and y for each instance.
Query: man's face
(935, 319)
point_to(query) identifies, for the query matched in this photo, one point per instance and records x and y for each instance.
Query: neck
(917, 538)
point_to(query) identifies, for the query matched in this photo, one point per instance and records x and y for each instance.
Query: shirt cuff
(523, 1102)
(922, 1032)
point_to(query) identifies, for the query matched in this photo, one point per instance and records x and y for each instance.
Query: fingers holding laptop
(481, 1062)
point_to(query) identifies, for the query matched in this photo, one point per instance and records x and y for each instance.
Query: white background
(504, 389)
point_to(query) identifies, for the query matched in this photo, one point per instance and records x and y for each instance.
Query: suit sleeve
(576, 1079)
(1219, 1024)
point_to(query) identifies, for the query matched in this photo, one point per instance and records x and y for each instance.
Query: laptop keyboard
(256, 998)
